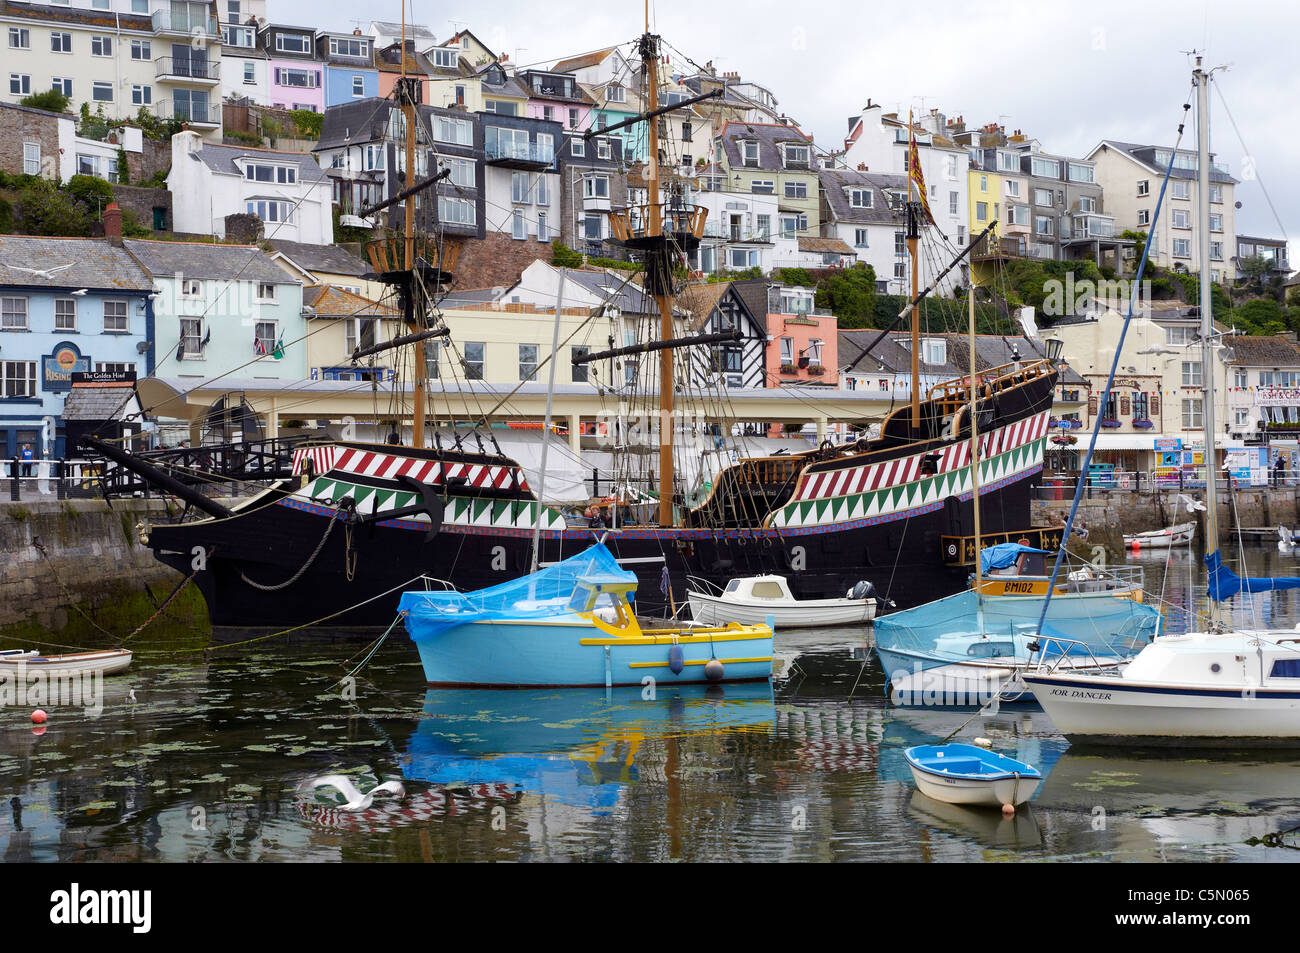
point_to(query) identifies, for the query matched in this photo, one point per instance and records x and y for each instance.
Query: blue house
(350, 72)
(66, 305)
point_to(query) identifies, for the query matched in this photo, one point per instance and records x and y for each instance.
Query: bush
(562, 256)
(45, 210)
(307, 124)
(794, 276)
(92, 192)
(6, 217)
(156, 181)
(131, 227)
(850, 295)
(51, 100)
(239, 136)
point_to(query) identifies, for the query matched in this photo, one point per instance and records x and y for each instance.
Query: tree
(93, 193)
(1254, 269)
(562, 256)
(45, 210)
(850, 295)
(1260, 316)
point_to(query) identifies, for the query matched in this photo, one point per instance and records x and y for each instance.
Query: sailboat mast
(1202, 80)
(913, 236)
(974, 445)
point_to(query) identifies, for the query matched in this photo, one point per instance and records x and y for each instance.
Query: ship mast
(913, 235)
(406, 97)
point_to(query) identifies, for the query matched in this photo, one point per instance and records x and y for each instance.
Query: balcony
(991, 248)
(1090, 225)
(196, 114)
(179, 23)
(520, 156)
(643, 226)
(169, 69)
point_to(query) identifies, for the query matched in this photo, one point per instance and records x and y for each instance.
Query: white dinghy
(104, 661)
(750, 600)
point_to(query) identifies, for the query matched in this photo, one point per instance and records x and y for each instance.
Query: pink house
(556, 97)
(805, 341)
(297, 76)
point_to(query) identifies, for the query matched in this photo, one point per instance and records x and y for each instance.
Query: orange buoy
(39, 716)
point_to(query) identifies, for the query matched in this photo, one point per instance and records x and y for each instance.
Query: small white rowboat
(1161, 538)
(104, 661)
(751, 600)
(965, 774)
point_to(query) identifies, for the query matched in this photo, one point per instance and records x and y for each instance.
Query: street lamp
(1054, 348)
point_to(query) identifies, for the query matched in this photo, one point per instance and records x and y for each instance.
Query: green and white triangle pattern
(857, 506)
(460, 510)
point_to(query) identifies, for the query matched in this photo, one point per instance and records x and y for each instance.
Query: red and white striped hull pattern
(891, 473)
(387, 466)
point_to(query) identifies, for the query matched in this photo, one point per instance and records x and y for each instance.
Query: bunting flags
(914, 168)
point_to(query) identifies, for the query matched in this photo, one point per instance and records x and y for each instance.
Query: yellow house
(985, 201)
(339, 322)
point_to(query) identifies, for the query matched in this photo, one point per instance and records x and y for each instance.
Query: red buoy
(39, 716)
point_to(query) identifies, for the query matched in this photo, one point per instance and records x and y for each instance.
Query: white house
(738, 233)
(865, 211)
(878, 142)
(288, 191)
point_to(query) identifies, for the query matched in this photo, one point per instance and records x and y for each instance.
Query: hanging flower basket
(1143, 424)
(1053, 422)
(1110, 423)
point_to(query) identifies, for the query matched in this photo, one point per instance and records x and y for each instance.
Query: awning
(1119, 441)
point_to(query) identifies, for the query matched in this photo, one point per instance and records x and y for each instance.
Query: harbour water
(212, 760)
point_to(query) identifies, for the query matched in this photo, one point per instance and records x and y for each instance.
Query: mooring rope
(305, 566)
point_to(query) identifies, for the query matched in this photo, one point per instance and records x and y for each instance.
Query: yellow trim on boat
(649, 638)
(724, 661)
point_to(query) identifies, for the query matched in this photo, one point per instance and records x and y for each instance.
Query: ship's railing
(639, 221)
(253, 462)
(951, 396)
(389, 253)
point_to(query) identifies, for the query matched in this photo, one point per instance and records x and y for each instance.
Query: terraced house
(349, 66)
(770, 159)
(118, 56)
(297, 74)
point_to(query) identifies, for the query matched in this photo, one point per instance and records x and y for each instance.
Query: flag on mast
(914, 173)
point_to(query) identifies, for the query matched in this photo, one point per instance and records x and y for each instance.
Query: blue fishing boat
(967, 774)
(571, 624)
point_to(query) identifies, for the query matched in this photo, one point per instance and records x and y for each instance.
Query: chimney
(113, 223)
(356, 31)
(1288, 336)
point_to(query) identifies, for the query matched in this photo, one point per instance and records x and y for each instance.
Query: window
(792, 224)
(237, 36)
(577, 147)
(981, 211)
(1180, 334)
(742, 258)
(1180, 189)
(20, 38)
(749, 153)
(141, 95)
(20, 84)
(60, 42)
(934, 351)
(1043, 224)
(543, 232)
(101, 46)
(452, 211)
(1216, 251)
(796, 190)
(373, 158)
(519, 190)
(542, 190)
(284, 175)
(591, 228)
(31, 158)
(299, 78)
(528, 362)
(191, 339)
(13, 314)
(1043, 197)
(474, 360)
(796, 156)
(460, 95)
(115, 319)
(115, 367)
(518, 225)
(445, 58)
(250, 77)
(232, 10)
(1013, 188)
(762, 187)
(1077, 172)
(101, 92)
(1216, 193)
(292, 43)
(358, 85)
(595, 186)
(952, 203)
(509, 143)
(1048, 168)
(1192, 410)
(266, 333)
(141, 50)
(265, 291)
(191, 288)
(1017, 214)
(859, 198)
(1007, 161)
(950, 167)
(1144, 187)
(614, 93)
(984, 183)
(579, 372)
(271, 211)
(18, 378)
(357, 333)
(1182, 248)
(764, 227)
(1144, 216)
(1141, 407)
(603, 150)
(1191, 373)
(340, 46)
(860, 237)
(900, 243)
(462, 171)
(1216, 221)
(573, 119)
(431, 357)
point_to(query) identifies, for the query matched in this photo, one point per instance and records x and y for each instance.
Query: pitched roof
(91, 263)
(99, 18)
(615, 288)
(329, 259)
(582, 62)
(388, 26)
(221, 158)
(1259, 351)
(97, 401)
(1146, 154)
(991, 350)
(206, 260)
(700, 299)
(825, 245)
(330, 301)
(769, 137)
(837, 183)
(753, 292)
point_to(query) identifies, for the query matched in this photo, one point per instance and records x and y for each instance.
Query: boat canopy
(963, 628)
(1005, 554)
(1224, 583)
(542, 594)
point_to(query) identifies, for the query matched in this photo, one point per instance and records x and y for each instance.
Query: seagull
(130, 696)
(356, 800)
(1191, 504)
(79, 292)
(43, 272)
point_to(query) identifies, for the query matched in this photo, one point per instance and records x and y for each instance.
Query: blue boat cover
(961, 629)
(539, 595)
(1005, 554)
(1224, 583)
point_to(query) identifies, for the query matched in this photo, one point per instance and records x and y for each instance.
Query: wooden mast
(406, 97)
(913, 235)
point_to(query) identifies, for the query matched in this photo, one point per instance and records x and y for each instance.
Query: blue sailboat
(571, 624)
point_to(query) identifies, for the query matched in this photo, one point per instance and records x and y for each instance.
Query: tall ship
(335, 545)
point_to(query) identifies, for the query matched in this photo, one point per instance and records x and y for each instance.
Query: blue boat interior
(968, 761)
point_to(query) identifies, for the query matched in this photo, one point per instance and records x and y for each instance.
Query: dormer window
(859, 198)
(344, 46)
(292, 43)
(614, 93)
(749, 152)
(446, 58)
(934, 351)
(796, 156)
(261, 172)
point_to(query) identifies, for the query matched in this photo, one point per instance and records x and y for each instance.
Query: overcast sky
(1066, 74)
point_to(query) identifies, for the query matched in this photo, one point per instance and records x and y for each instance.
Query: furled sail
(1224, 583)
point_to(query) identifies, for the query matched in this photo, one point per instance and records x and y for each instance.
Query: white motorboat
(752, 599)
(1161, 538)
(104, 661)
